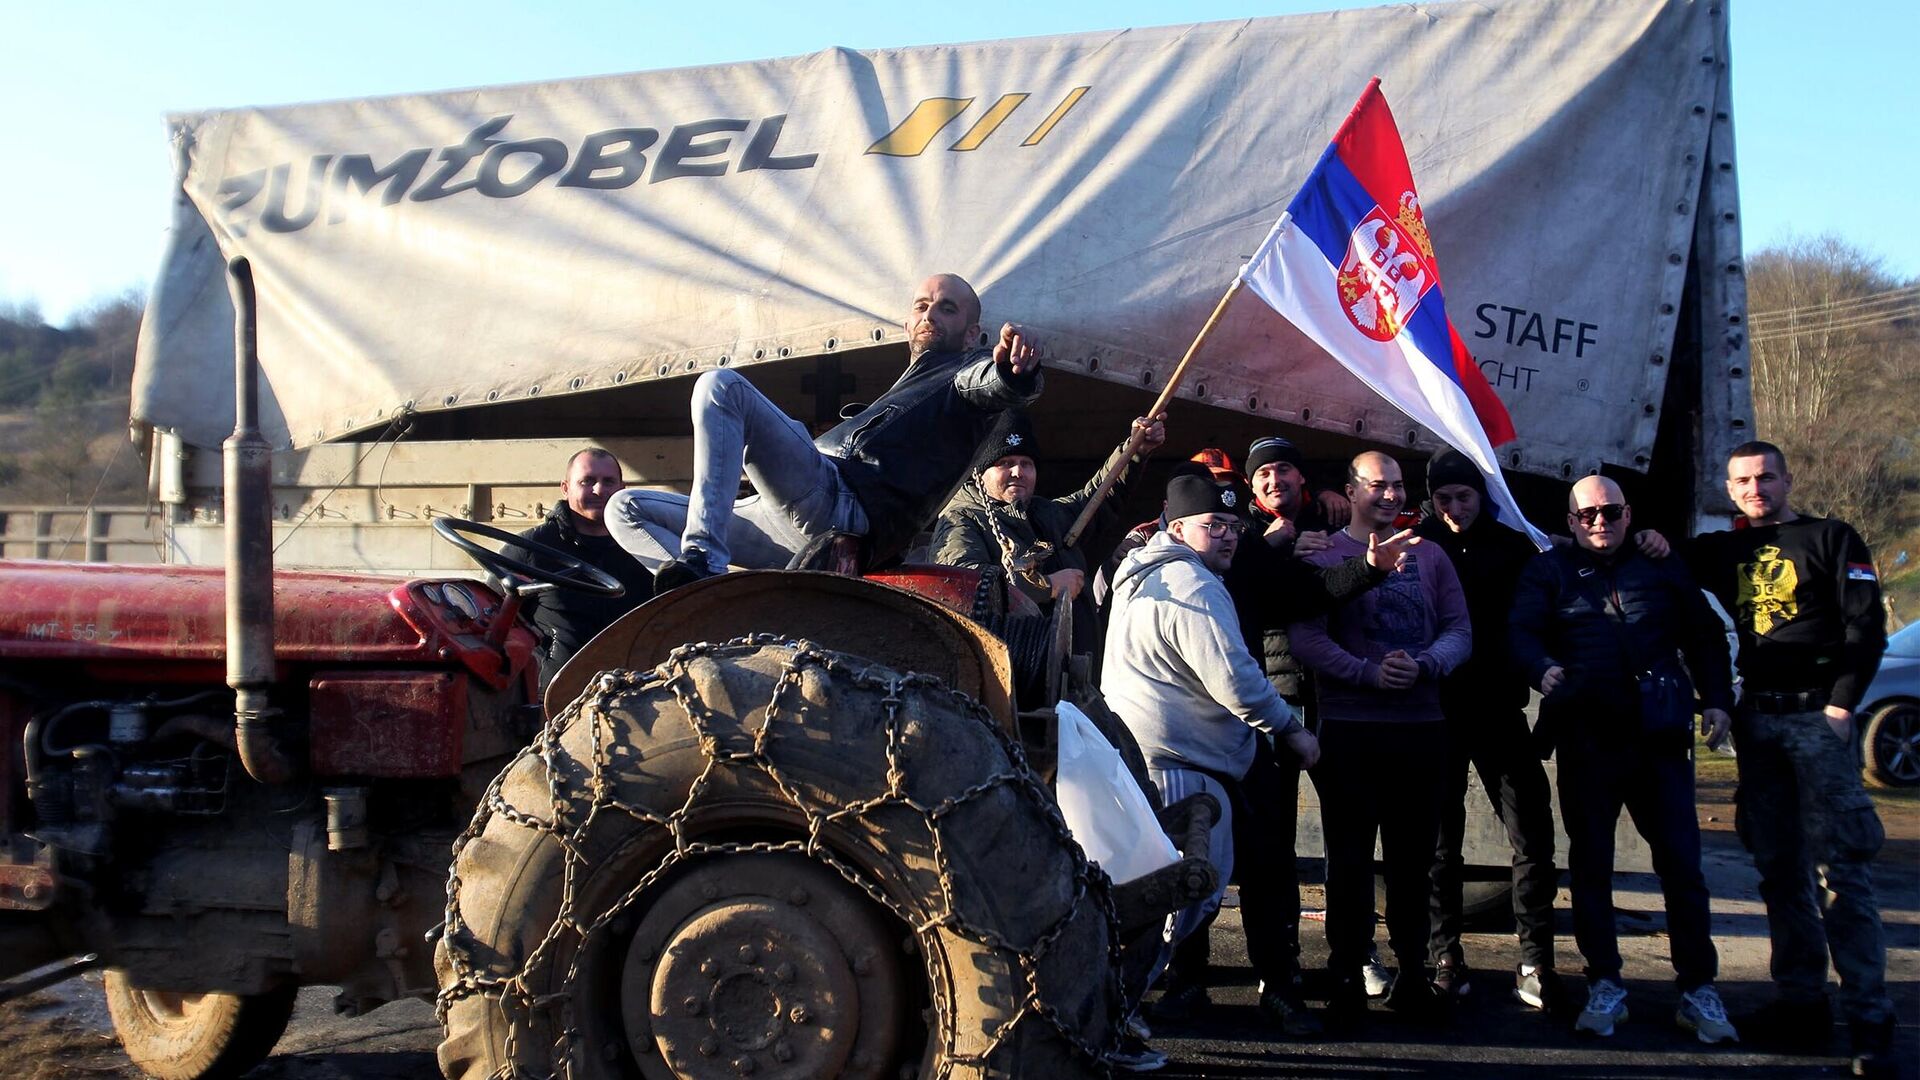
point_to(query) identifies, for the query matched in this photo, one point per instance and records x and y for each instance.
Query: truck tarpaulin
(446, 250)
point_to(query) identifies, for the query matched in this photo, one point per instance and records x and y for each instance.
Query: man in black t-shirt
(1806, 600)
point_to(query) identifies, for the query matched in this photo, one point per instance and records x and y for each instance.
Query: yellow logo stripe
(997, 115)
(1058, 114)
(912, 137)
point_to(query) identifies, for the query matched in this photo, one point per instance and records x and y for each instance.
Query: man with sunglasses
(1599, 628)
(1806, 599)
(1377, 664)
(1178, 672)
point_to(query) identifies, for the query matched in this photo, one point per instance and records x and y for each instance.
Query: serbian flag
(1350, 263)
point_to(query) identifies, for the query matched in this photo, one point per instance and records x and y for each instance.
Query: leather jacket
(905, 454)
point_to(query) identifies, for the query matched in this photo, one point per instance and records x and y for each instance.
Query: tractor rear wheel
(764, 858)
(176, 1036)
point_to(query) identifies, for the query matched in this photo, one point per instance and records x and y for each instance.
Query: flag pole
(1159, 409)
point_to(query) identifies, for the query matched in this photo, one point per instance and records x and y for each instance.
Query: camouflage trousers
(1813, 833)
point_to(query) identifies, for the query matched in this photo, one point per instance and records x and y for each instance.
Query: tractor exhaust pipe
(248, 467)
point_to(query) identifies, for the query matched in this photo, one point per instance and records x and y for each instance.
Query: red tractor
(773, 823)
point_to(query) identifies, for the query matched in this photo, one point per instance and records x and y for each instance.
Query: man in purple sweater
(1379, 661)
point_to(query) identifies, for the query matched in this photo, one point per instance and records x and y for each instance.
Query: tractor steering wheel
(574, 572)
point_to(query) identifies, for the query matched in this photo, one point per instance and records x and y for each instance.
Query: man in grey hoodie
(1177, 671)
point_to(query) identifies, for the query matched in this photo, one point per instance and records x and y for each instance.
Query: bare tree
(1836, 380)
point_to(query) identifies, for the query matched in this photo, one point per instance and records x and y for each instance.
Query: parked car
(1892, 711)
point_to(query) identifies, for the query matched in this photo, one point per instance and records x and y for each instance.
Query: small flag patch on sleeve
(1859, 571)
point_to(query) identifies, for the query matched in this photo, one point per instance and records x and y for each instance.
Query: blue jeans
(800, 492)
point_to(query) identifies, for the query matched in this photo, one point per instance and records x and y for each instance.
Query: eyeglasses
(1219, 529)
(1587, 515)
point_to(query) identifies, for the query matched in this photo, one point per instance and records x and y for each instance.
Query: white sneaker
(1375, 976)
(1606, 1006)
(1703, 1013)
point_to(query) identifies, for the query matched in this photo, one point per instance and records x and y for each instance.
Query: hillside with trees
(1836, 384)
(63, 406)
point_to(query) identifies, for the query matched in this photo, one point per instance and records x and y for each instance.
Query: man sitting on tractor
(994, 520)
(881, 475)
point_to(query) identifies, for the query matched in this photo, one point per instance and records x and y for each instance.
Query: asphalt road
(63, 1033)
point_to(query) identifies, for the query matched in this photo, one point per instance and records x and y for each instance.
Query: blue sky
(1820, 96)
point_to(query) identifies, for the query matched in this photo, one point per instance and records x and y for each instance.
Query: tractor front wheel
(180, 1036)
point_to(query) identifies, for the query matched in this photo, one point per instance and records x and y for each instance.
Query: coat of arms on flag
(1388, 269)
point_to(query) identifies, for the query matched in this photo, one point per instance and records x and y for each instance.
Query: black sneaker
(1290, 1015)
(1450, 977)
(1414, 998)
(1180, 1002)
(690, 567)
(1133, 1055)
(1872, 1048)
(1347, 1002)
(1797, 1027)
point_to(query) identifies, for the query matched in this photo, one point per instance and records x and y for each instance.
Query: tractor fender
(885, 624)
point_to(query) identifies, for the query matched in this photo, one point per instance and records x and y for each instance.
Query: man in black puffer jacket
(1484, 702)
(1599, 627)
(1288, 524)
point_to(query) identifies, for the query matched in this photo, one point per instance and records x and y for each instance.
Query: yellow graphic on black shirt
(1766, 585)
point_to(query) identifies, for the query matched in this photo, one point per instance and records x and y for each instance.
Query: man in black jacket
(881, 475)
(1484, 703)
(1598, 627)
(567, 618)
(1806, 599)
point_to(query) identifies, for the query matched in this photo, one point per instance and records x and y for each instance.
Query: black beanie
(1188, 496)
(1269, 450)
(1454, 467)
(1011, 433)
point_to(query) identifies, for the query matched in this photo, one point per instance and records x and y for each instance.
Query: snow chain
(723, 751)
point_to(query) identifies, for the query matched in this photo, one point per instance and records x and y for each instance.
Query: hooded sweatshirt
(1177, 670)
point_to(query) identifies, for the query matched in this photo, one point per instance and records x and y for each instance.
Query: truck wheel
(767, 858)
(1890, 742)
(173, 1036)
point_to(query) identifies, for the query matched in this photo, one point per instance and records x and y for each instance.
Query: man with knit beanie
(995, 520)
(1279, 588)
(1484, 702)
(1285, 509)
(1178, 673)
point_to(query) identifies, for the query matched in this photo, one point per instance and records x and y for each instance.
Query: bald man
(1600, 629)
(881, 475)
(1377, 663)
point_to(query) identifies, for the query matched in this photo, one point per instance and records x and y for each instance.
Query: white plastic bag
(1105, 808)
